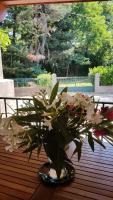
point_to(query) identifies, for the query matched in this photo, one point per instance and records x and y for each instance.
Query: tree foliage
(71, 38)
(4, 39)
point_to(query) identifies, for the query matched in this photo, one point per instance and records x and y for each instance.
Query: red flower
(109, 115)
(98, 133)
(104, 109)
(70, 107)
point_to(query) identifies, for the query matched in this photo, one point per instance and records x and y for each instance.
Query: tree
(34, 27)
(4, 42)
(91, 32)
(69, 38)
(21, 34)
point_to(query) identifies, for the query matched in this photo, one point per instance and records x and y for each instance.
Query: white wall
(6, 90)
(102, 89)
(28, 91)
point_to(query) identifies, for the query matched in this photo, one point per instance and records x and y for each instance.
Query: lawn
(77, 84)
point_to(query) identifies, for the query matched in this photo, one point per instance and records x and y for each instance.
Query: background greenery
(72, 37)
(106, 74)
(44, 79)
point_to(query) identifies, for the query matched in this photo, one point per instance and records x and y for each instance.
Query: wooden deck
(93, 181)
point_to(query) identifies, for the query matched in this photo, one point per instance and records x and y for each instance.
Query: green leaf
(108, 140)
(54, 92)
(38, 104)
(26, 109)
(58, 103)
(30, 154)
(78, 148)
(90, 141)
(31, 148)
(99, 142)
(56, 153)
(28, 118)
(39, 149)
(64, 90)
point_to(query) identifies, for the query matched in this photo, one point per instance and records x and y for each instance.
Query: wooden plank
(69, 196)
(88, 194)
(16, 186)
(94, 185)
(13, 179)
(93, 180)
(7, 197)
(29, 2)
(14, 193)
(18, 177)
(44, 193)
(93, 189)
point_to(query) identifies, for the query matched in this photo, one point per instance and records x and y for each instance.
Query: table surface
(93, 179)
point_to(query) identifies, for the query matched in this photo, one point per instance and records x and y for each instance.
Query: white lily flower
(9, 148)
(95, 118)
(67, 98)
(47, 122)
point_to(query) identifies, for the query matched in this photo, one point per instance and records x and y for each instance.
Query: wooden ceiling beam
(29, 2)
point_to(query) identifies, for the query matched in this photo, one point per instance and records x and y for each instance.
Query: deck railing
(8, 105)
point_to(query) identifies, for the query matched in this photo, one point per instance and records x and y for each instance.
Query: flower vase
(48, 174)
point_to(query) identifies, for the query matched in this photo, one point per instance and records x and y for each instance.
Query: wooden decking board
(13, 193)
(19, 176)
(87, 194)
(95, 174)
(88, 178)
(18, 165)
(7, 197)
(99, 154)
(24, 156)
(11, 156)
(94, 165)
(18, 181)
(94, 185)
(59, 198)
(17, 186)
(101, 151)
(19, 162)
(6, 167)
(103, 157)
(93, 180)
(96, 160)
(43, 193)
(70, 196)
(91, 189)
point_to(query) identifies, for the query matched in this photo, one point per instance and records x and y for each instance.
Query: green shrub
(44, 79)
(107, 79)
(106, 74)
(100, 69)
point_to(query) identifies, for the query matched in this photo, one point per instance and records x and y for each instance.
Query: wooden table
(94, 177)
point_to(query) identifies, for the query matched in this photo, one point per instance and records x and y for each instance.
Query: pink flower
(98, 133)
(38, 57)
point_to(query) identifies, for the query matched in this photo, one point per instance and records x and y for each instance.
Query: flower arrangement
(55, 121)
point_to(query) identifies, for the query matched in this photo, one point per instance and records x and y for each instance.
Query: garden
(63, 39)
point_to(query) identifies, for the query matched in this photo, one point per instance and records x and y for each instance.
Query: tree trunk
(67, 70)
(1, 69)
